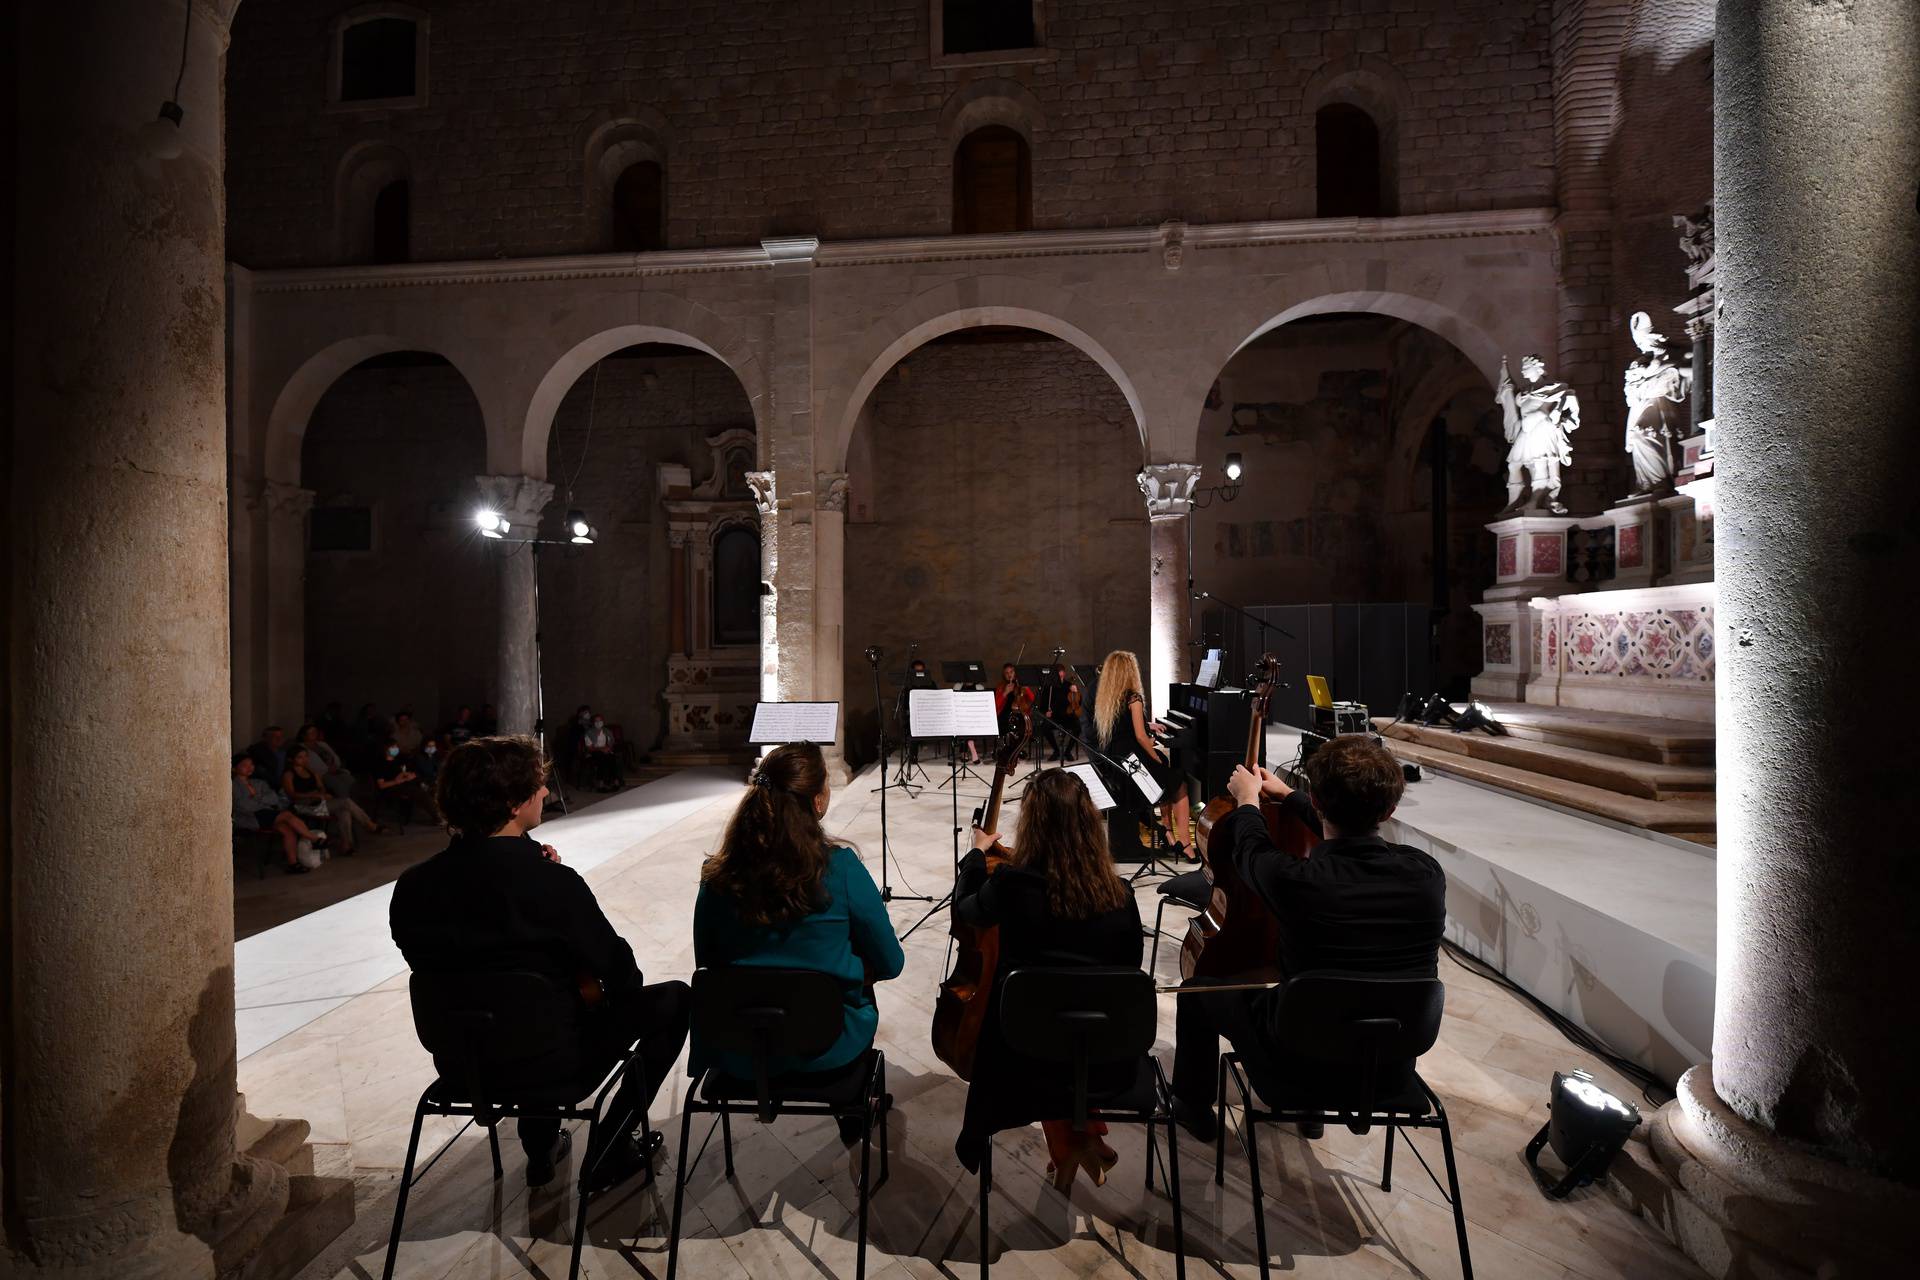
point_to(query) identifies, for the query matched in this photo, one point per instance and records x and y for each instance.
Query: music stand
(960, 713)
(886, 848)
(909, 753)
(778, 723)
(967, 676)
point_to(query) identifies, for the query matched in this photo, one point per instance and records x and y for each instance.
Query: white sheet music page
(952, 713)
(778, 722)
(1102, 800)
(1209, 676)
(1142, 779)
(974, 714)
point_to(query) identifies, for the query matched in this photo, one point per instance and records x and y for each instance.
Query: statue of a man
(1657, 388)
(1538, 420)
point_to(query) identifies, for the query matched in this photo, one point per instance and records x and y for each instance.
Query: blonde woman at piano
(1121, 718)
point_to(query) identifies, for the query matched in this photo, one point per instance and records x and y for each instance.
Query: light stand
(873, 656)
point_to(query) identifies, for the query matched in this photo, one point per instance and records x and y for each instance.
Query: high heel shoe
(1095, 1159)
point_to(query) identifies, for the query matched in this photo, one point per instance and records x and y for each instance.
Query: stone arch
(994, 100)
(294, 404)
(950, 308)
(1423, 403)
(1376, 86)
(688, 326)
(365, 169)
(608, 147)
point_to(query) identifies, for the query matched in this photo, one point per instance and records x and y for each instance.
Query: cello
(1237, 936)
(960, 1008)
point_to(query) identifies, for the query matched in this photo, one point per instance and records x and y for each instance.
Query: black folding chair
(769, 1015)
(1087, 1018)
(506, 1046)
(1351, 1045)
(1189, 889)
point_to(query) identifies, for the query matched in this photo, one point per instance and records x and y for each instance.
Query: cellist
(1056, 900)
(1357, 905)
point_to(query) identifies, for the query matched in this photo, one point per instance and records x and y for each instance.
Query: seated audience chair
(1084, 1018)
(489, 1074)
(1189, 889)
(769, 1014)
(1352, 1043)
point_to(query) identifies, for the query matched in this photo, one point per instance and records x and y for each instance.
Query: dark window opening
(1347, 145)
(639, 209)
(390, 223)
(981, 26)
(736, 586)
(341, 529)
(992, 182)
(377, 60)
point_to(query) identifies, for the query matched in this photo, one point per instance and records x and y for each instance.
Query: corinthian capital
(830, 491)
(1168, 487)
(520, 499)
(761, 483)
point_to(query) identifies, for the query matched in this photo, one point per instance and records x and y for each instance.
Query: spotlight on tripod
(873, 653)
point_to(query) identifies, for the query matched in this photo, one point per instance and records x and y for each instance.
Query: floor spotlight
(1586, 1126)
(490, 522)
(578, 530)
(1479, 715)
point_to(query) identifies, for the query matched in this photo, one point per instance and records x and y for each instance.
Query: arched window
(379, 57)
(992, 182)
(736, 586)
(391, 221)
(639, 208)
(1348, 173)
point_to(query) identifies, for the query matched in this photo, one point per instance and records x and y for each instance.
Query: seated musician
(496, 899)
(1007, 693)
(779, 893)
(1060, 711)
(1057, 902)
(1357, 905)
(1121, 720)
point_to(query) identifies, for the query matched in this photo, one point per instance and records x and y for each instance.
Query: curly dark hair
(1354, 783)
(485, 779)
(774, 854)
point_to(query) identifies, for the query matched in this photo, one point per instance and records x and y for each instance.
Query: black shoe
(1311, 1129)
(540, 1169)
(851, 1127)
(1197, 1121)
(622, 1159)
(297, 869)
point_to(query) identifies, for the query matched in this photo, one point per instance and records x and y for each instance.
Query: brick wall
(827, 119)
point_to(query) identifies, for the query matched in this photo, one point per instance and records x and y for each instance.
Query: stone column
(119, 1099)
(286, 650)
(1795, 1145)
(830, 604)
(764, 500)
(520, 499)
(787, 452)
(1168, 487)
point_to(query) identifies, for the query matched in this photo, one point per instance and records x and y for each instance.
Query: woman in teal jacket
(781, 894)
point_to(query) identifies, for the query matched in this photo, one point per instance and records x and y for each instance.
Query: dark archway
(1349, 180)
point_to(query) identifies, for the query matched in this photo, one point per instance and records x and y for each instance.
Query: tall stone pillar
(286, 655)
(118, 1061)
(830, 603)
(787, 452)
(520, 499)
(1168, 488)
(1795, 1145)
(767, 503)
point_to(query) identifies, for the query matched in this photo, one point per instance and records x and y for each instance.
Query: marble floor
(354, 1071)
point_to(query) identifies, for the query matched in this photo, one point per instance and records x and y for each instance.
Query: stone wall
(993, 506)
(832, 119)
(414, 622)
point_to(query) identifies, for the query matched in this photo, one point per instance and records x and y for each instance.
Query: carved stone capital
(283, 499)
(830, 491)
(1168, 487)
(761, 483)
(1173, 244)
(520, 499)
(1696, 235)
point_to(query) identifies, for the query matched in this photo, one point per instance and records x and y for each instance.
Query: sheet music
(1142, 779)
(1102, 800)
(1209, 676)
(953, 713)
(778, 722)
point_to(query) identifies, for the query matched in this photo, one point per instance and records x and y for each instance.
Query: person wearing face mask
(603, 766)
(496, 900)
(781, 894)
(433, 752)
(399, 784)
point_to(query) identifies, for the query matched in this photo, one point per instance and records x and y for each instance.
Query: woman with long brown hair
(781, 894)
(1057, 902)
(1121, 718)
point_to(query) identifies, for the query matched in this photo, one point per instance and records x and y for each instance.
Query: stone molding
(282, 499)
(762, 484)
(830, 491)
(1168, 488)
(520, 499)
(1173, 247)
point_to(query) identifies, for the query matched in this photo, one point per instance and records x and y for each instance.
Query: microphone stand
(1259, 622)
(886, 850)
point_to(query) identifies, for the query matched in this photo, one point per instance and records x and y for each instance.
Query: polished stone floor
(356, 1070)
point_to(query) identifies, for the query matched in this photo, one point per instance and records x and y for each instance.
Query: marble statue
(1538, 421)
(1657, 388)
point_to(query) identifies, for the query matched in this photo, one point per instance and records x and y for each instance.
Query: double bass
(1237, 936)
(960, 1009)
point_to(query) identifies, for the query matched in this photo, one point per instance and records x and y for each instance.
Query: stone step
(1610, 733)
(1690, 818)
(318, 1210)
(283, 1142)
(1647, 779)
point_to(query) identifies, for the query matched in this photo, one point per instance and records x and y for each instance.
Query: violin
(1237, 936)
(960, 1008)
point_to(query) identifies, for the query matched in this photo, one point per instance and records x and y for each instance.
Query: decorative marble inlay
(1547, 556)
(1499, 637)
(1630, 551)
(1662, 644)
(1509, 556)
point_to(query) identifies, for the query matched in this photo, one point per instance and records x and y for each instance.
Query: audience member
(399, 784)
(433, 752)
(408, 735)
(258, 807)
(600, 756)
(462, 727)
(270, 753)
(337, 781)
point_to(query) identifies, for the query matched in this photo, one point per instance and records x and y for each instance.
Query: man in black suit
(1357, 904)
(495, 900)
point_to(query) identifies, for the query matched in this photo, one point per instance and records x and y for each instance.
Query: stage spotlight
(578, 530)
(1586, 1126)
(1233, 468)
(1479, 715)
(490, 522)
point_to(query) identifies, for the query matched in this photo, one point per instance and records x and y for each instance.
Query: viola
(1237, 936)
(960, 1008)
